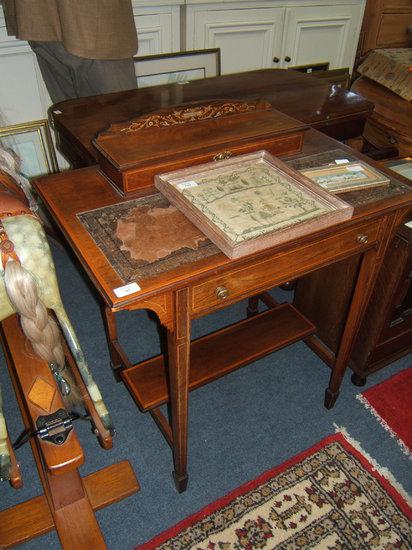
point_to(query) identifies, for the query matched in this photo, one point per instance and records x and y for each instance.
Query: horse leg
(80, 360)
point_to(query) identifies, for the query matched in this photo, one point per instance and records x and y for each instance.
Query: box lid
(185, 130)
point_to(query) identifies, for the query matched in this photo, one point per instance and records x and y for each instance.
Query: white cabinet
(158, 26)
(316, 34)
(277, 33)
(248, 38)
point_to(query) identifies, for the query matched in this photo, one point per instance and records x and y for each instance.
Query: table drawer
(243, 281)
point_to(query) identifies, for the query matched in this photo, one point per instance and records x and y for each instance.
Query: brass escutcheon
(222, 156)
(362, 239)
(222, 292)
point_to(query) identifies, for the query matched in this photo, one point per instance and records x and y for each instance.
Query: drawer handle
(222, 292)
(222, 156)
(362, 239)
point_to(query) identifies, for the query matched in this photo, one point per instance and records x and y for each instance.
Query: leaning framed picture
(176, 68)
(32, 144)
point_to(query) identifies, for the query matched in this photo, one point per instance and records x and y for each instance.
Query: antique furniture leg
(178, 341)
(252, 306)
(358, 380)
(368, 272)
(118, 359)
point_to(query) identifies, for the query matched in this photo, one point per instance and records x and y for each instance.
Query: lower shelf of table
(219, 353)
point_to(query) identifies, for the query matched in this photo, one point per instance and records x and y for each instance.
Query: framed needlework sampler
(251, 202)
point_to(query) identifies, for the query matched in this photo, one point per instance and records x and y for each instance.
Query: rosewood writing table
(336, 112)
(192, 290)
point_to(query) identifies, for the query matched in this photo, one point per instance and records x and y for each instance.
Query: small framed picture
(32, 144)
(176, 68)
(341, 178)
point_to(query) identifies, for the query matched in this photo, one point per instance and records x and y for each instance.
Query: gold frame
(42, 130)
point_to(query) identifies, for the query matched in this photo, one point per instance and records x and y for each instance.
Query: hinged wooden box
(131, 153)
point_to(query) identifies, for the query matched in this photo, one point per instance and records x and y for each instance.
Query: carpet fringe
(384, 425)
(383, 471)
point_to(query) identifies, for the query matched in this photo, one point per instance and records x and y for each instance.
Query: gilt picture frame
(177, 68)
(32, 143)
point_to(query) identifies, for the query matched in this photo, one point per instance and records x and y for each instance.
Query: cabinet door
(158, 29)
(321, 34)
(248, 38)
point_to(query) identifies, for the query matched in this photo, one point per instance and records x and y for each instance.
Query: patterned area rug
(328, 497)
(391, 403)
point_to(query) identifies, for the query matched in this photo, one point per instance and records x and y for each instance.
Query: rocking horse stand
(69, 502)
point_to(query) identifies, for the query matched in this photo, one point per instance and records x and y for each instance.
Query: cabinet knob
(276, 60)
(222, 156)
(287, 59)
(362, 239)
(222, 292)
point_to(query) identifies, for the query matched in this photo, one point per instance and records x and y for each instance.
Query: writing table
(194, 289)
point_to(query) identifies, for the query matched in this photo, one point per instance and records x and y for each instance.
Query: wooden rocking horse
(28, 287)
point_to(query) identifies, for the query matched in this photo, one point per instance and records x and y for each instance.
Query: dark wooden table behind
(336, 112)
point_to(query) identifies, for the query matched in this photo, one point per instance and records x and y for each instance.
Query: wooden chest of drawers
(386, 24)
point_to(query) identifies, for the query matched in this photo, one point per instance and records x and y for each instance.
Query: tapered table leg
(364, 284)
(178, 344)
(118, 361)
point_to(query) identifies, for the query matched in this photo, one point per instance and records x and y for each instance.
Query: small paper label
(356, 168)
(126, 290)
(408, 224)
(187, 184)
(341, 161)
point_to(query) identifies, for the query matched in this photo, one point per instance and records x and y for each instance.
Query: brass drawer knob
(362, 239)
(222, 156)
(222, 292)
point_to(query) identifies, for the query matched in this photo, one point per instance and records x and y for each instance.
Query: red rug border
(402, 374)
(249, 485)
(375, 399)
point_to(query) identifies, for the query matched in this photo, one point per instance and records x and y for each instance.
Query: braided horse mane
(21, 287)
